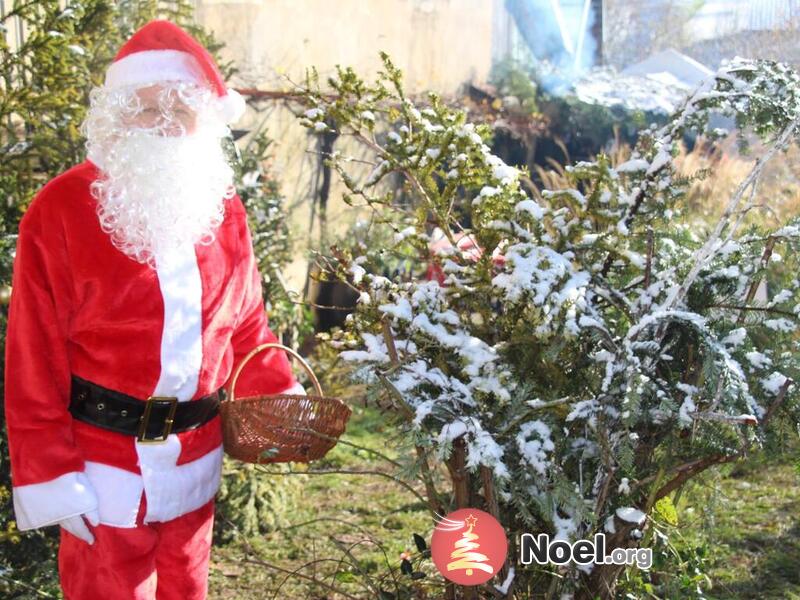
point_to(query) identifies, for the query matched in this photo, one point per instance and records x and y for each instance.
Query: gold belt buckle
(173, 404)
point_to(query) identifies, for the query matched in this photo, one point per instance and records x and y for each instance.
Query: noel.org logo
(469, 547)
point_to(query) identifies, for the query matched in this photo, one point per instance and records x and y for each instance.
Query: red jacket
(79, 305)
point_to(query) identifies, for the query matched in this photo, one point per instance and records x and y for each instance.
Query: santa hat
(161, 51)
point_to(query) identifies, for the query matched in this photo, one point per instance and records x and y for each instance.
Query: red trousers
(163, 561)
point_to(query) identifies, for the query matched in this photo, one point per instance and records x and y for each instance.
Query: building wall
(636, 28)
(725, 17)
(439, 45)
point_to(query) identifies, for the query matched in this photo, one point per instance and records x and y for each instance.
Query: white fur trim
(172, 490)
(152, 66)
(231, 107)
(296, 389)
(40, 504)
(182, 337)
(119, 493)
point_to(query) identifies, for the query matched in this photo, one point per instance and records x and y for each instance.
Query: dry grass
(718, 169)
(778, 196)
(554, 176)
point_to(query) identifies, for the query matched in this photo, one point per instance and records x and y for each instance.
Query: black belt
(150, 420)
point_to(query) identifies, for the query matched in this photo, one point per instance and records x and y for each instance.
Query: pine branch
(692, 469)
(744, 309)
(756, 282)
(703, 254)
(777, 403)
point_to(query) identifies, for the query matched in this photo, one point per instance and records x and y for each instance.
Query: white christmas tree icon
(464, 555)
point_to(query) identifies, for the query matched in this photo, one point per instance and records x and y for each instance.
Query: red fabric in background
(467, 248)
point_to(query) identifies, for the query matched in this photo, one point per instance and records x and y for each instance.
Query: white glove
(77, 526)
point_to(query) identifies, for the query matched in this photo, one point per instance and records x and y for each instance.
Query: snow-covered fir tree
(588, 351)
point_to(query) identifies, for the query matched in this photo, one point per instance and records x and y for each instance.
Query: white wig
(157, 191)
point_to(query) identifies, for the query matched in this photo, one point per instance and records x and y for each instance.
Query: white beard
(158, 194)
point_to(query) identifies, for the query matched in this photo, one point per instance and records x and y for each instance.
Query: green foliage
(586, 128)
(250, 503)
(678, 571)
(512, 79)
(47, 78)
(588, 339)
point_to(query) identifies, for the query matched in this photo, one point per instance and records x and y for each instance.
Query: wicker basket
(281, 427)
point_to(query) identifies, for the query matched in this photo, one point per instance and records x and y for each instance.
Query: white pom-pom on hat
(232, 106)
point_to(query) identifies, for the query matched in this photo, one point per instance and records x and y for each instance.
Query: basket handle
(262, 347)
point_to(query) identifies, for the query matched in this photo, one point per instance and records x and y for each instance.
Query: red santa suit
(80, 306)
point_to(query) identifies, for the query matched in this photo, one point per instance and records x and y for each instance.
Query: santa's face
(165, 176)
(181, 118)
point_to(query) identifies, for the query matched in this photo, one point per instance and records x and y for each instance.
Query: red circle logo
(469, 546)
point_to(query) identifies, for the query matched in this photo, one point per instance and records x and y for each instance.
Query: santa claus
(135, 291)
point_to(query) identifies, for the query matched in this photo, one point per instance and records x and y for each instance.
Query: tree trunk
(456, 464)
(493, 508)
(602, 581)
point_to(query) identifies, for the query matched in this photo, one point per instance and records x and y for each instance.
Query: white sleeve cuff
(296, 389)
(40, 504)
